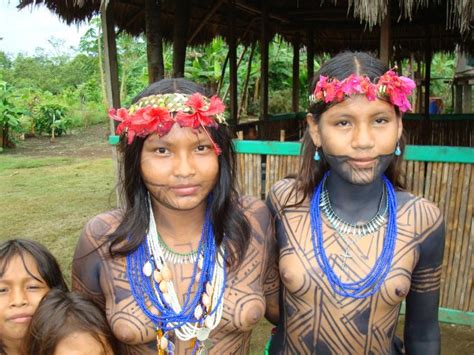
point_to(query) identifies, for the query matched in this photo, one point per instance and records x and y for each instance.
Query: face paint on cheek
(342, 166)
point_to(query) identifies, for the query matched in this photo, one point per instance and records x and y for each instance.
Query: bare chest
(351, 258)
(243, 305)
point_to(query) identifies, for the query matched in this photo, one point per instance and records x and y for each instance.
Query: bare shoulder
(283, 193)
(253, 207)
(419, 207)
(97, 229)
(421, 216)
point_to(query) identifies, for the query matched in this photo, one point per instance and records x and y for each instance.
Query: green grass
(50, 199)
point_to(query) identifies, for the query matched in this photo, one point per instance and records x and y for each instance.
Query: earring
(398, 151)
(317, 157)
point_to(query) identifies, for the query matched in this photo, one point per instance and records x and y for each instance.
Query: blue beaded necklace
(372, 282)
(146, 290)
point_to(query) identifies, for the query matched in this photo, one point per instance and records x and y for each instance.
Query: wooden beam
(211, 13)
(110, 56)
(467, 98)
(244, 98)
(233, 64)
(385, 45)
(428, 58)
(295, 97)
(111, 80)
(259, 12)
(180, 35)
(264, 65)
(154, 41)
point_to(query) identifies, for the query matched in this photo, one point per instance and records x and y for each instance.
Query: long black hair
(46, 263)
(340, 67)
(231, 227)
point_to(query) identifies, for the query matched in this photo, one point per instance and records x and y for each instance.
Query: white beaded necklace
(199, 330)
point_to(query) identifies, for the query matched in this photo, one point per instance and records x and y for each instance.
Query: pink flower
(200, 116)
(397, 89)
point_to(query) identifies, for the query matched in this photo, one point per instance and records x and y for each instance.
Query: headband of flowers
(391, 87)
(158, 114)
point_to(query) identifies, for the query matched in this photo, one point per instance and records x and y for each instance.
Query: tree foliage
(68, 86)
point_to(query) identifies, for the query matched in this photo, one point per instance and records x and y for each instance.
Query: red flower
(397, 88)
(200, 116)
(143, 122)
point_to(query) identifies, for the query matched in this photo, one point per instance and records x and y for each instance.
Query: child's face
(20, 294)
(81, 343)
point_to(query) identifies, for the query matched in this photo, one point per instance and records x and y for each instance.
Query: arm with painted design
(422, 335)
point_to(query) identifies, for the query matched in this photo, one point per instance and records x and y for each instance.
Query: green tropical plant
(9, 114)
(51, 119)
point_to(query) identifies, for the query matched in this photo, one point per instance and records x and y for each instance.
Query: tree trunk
(180, 35)
(154, 41)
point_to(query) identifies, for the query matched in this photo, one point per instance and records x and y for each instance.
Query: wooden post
(295, 97)
(233, 64)
(467, 98)
(385, 39)
(180, 36)
(458, 98)
(310, 58)
(111, 79)
(245, 95)
(110, 56)
(154, 41)
(264, 65)
(428, 57)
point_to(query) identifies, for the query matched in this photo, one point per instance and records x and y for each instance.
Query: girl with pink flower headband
(186, 265)
(353, 243)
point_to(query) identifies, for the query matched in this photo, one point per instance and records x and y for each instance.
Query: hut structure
(394, 29)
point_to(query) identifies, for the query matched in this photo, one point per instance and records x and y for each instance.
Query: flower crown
(389, 86)
(158, 113)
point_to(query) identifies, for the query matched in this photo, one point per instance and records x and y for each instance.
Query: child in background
(27, 272)
(67, 323)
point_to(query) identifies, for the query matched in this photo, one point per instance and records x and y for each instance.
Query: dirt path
(88, 143)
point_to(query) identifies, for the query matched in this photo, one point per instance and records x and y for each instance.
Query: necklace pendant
(203, 333)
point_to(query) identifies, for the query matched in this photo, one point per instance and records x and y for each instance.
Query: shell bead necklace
(153, 289)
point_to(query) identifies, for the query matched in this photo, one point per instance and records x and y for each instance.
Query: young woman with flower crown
(187, 266)
(353, 244)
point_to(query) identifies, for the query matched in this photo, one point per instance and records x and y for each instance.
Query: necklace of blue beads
(371, 283)
(152, 288)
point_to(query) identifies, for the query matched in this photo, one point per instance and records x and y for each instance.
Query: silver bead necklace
(357, 230)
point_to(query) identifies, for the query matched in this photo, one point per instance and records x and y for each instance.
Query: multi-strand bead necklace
(153, 289)
(372, 282)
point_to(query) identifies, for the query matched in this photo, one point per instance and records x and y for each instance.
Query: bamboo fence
(448, 184)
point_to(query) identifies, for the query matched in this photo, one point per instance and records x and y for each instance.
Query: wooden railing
(444, 175)
(446, 130)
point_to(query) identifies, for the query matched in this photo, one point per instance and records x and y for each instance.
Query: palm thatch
(331, 25)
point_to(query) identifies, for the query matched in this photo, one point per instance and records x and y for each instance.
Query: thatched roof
(332, 25)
